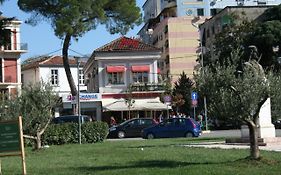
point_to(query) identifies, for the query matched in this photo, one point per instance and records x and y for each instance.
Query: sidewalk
(223, 145)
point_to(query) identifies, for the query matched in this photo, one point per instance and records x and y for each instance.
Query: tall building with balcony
(125, 72)
(10, 52)
(175, 30)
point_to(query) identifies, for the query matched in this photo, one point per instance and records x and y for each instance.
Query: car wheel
(121, 134)
(150, 136)
(189, 134)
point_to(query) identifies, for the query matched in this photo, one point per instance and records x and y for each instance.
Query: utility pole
(202, 65)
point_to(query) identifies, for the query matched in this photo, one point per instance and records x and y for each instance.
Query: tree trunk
(38, 141)
(66, 64)
(254, 147)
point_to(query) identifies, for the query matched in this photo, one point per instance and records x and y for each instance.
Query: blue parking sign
(194, 95)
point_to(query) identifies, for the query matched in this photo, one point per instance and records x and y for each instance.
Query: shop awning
(111, 69)
(140, 68)
(153, 104)
(117, 105)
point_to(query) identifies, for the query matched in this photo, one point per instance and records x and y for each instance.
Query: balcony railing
(14, 47)
(146, 87)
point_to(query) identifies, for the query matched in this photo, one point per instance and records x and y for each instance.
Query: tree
(35, 105)
(239, 96)
(241, 33)
(71, 19)
(181, 93)
(129, 100)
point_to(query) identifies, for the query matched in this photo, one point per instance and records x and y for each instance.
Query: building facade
(10, 52)
(50, 69)
(125, 72)
(215, 24)
(182, 41)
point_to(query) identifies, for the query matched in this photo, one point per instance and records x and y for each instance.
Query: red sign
(194, 103)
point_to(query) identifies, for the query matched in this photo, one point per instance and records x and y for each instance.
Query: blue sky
(41, 39)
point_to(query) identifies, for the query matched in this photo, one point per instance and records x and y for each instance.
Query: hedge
(66, 133)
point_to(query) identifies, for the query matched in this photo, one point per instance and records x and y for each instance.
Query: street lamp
(78, 100)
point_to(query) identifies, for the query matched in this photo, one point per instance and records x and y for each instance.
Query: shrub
(66, 133)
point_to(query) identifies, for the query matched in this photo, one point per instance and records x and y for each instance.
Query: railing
(147, 87)
(14, 47)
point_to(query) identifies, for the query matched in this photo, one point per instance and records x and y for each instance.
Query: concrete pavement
(223, 145)
(233, 134)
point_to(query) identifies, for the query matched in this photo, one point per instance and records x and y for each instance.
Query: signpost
(168, 100)
(11, 140)
(194, 102)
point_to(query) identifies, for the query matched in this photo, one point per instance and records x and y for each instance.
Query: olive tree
(239, 95)
(35, 105)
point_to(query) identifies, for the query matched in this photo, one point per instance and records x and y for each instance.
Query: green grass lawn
(159, 156)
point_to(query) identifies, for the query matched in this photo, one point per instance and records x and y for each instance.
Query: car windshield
(125, 122)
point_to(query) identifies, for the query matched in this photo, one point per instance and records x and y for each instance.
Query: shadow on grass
(148, 164)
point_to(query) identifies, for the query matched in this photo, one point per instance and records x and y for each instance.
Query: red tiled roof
(48, 61)
(126, 44)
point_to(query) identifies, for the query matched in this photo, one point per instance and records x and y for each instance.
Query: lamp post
(78, 101)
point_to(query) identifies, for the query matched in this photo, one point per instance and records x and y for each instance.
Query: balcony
(142, 87)
(15, 47)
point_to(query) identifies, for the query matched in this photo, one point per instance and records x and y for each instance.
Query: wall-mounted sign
(84, 97)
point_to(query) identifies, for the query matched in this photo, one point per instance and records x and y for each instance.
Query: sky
(41, 39)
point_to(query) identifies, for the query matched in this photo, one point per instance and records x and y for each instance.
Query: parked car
(70, 118)
(173, 127)
(277, 124)
(131, 128)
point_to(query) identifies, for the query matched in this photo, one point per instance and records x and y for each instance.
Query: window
(166, 43)
(5, 35)
(200, 12)
(54, 77)
(81, 77)
(115, 78)
(214, 11)
(140, 77)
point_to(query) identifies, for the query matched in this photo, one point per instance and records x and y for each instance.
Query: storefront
(121, 110)
(90, 104)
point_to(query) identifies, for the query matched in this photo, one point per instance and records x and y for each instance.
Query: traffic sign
(167, 98)
(194, 95)
(194, 103)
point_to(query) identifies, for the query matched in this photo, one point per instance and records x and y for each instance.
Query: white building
(126, 69)
(50, 69)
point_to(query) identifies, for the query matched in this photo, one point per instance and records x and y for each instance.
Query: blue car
(173, 127)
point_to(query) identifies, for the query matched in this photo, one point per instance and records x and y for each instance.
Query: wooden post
(22, 146)
(0, 168)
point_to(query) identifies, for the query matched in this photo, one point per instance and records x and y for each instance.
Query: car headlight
(112, 129)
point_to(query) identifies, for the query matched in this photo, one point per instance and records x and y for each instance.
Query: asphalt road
(212, 134)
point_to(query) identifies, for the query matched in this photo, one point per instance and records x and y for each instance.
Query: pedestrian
(112, 121)
(200, 119)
